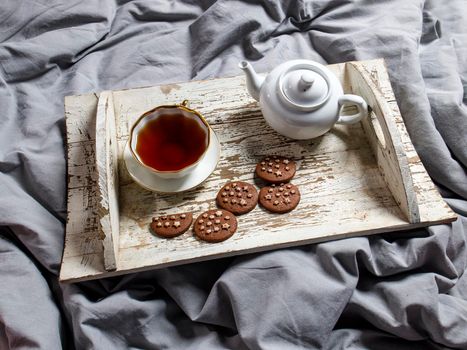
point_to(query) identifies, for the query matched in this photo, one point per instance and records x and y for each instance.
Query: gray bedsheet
(394, 291)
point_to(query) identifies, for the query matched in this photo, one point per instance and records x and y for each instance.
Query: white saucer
(145, 178)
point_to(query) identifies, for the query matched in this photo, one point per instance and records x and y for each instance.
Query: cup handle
(361, 105)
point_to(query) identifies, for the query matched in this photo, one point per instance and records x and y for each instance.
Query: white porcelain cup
(177, 119)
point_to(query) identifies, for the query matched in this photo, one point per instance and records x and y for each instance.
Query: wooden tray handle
(107, 172)
(384, 138)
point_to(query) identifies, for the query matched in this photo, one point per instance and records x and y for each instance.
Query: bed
(401, 290)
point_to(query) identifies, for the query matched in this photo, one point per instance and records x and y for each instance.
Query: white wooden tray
(355, 180)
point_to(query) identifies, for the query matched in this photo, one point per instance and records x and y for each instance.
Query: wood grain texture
(107, 179)
(385, 142)
(430, 202)
(343, 191)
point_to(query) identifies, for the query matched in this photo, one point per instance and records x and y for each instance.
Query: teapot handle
(357, 101)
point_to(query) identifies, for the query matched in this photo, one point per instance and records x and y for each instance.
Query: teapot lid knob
(304, 87)
(306, 80)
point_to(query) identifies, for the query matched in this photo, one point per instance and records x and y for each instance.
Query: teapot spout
(253, 80)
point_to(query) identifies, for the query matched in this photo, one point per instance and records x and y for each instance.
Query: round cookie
(276, 169)
(215, 225)
(279, 198)
(238, 197)
(170, 226)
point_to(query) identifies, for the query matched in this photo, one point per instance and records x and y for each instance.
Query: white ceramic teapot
(301, 99)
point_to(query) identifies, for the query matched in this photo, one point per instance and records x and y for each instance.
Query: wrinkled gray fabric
(405, 290)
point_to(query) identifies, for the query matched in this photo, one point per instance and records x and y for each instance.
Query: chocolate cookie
(279, 199)
(171, 225)
(237, 197)
(276, 169)
(215, 225)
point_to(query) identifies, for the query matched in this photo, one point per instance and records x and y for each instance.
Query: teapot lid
(304, 86)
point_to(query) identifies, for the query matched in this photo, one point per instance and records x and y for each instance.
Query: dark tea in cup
(170, 139)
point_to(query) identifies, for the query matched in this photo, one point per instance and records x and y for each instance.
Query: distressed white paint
(107, 179)
(386, 144)
(343, 191)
